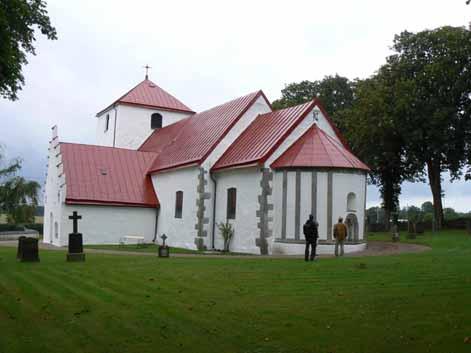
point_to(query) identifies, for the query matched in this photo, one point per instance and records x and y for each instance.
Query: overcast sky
(204, 53)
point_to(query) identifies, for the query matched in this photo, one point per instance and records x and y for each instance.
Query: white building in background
(159, 168)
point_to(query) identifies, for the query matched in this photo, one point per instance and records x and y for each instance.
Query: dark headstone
(468, 226)
(29, 251)
(420, 228)
(20, 247)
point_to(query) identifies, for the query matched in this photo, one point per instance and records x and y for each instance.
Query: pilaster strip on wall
(364, 209)
(263, 211)
(283, 204)
(329, 205)
(201, 208)
(314, 195)
(297, 205)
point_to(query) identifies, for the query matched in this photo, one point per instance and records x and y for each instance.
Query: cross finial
(147, 67)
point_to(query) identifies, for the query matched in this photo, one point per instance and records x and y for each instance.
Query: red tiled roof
(315, 148)
(263, 136)
(198, 135)
(148, 94)
(107, 175)
(160, 138)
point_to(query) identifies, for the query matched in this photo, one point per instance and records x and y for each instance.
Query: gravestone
(28, 250)
(75, 247)
(20, 247)
(468, 226)
(164, 250)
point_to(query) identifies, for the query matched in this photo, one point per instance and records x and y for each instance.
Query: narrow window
(156, 121)
(351, 202)
(231, 203)
(107, 122)
(178, 204)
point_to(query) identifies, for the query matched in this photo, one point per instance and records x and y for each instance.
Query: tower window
(156, 121)
(107, 122)
(178, 204)
(231, 203)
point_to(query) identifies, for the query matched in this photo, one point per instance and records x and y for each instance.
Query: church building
(159, 168)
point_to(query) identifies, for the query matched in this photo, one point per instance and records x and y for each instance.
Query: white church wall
(54, 195)
(247, 183)
(181, 232)
(133, 125)
(343, 184)
(107, 224)
(104, 137)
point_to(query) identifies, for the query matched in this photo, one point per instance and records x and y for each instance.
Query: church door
(352, 227)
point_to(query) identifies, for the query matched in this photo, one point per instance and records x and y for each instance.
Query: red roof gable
(162, 137)
(198, 135)
(263, 136)
(148, 94)
(315, 148)
(107, 175)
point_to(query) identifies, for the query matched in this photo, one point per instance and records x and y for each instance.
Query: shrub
(227, 233)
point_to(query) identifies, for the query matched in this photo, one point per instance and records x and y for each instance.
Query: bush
(10, 228)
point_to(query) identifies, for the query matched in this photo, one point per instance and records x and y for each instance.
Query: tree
(427, 207)
(372, 133)
(18, 197)
(432, 75)
(18, 20)
(335, 93)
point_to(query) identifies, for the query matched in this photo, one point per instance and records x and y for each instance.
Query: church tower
(132, 118)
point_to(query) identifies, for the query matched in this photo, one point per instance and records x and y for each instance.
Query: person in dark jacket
(311, 233)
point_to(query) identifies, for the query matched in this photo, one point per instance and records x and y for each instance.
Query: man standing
(311, 234)
(340, 233)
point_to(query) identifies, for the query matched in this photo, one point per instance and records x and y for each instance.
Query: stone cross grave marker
(164, 250)
(75, 252)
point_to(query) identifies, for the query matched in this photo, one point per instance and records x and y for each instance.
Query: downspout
(114, 130)
(157, 212)
(213, 234)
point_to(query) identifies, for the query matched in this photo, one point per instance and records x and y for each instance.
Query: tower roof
(317, 149)
(148, 94)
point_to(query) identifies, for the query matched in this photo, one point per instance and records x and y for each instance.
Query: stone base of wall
(323, 248)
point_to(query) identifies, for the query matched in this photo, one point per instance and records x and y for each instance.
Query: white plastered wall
(132, 125)
(54, 195)
(181, 232)
(247, 183)
(107, 224)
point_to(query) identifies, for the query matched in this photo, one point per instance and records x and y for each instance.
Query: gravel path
(375, 248)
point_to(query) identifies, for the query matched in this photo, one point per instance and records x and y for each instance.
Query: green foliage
(18, 21)
(427, 207)
(18, 197)
(431, 75)
(335, 93)
(227, 232)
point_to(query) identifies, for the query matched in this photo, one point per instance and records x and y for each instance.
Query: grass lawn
(406, 303)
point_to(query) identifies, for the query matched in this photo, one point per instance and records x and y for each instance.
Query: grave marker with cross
(75, 252)
(164, 250)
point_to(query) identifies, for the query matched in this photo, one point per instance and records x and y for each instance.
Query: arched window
(351, 202)
(231, 203)
(178, 204)
(156, 121)
(107, 122)
(56, 230)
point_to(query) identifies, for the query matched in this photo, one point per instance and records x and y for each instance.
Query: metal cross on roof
(75, 217)
(147, 67)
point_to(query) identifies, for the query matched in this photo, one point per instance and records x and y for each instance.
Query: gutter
(213, 234)
(157, 212)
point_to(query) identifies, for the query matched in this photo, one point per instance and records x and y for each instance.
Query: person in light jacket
(340, 233)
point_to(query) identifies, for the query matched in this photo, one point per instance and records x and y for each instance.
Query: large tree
(335, 93)
(432, 73)
(18, 21)
(18, 197)
(373, 136)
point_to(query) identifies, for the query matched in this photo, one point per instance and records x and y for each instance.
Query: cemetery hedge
(406, 303)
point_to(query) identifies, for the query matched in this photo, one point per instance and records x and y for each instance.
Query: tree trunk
(387, 218)
(434, 177)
